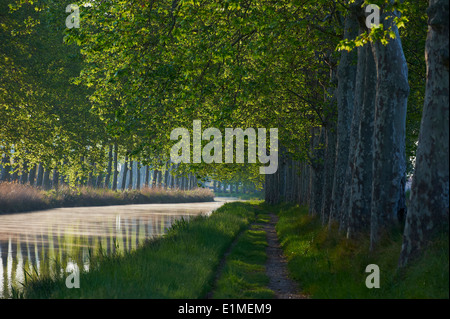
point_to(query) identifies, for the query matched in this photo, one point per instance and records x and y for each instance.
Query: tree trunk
(24, 175)
(91, 179)
(46, 182)
(166, 178)
(317, 171)
(6, 167)
(155, 178)
(40, 174)
(125, 172)
(330, 155)
(109, 169)
(389, 164)
(15, 169)
(32, 175)
(115, 172)
(63, 178)
(361, 187)
(172, 179)
(138, 175)
(159, 181)
(354, 135)
(346, 75)
(429, 203)
(130, 184)
(55, 178)
(147, 176)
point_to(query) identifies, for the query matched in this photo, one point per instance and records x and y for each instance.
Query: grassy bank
(181, 264)
(327, 265)
(16, 197)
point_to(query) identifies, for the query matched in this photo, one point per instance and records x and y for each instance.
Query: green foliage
(136, 70)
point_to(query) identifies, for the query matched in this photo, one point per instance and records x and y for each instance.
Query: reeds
(15, 197)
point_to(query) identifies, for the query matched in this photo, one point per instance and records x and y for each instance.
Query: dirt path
(276, 265)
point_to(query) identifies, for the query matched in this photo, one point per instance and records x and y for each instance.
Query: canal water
(44, 241)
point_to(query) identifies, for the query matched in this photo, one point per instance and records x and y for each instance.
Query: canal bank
(180, 264)
(44, 242)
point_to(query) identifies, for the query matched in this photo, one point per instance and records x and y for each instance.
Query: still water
(37, 241)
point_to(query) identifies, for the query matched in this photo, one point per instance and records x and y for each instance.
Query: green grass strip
(328, 265)
(244, 274)
(182, 264)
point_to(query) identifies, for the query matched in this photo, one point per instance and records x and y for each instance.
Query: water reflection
(40, 241)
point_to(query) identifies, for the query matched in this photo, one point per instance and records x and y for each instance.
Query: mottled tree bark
(361, 186)
(429, 204)
(346, 75)
(389, 163)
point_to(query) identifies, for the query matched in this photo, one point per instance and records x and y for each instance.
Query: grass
(15, 197)
(327, 265)
(184, 262)
(181, 264)
(244, 275)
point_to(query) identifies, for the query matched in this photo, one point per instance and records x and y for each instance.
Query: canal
(46, 241)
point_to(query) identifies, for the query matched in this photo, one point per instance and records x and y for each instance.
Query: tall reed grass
(15, 197)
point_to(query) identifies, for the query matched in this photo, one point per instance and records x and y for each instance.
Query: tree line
(347, 99)
(355, 172)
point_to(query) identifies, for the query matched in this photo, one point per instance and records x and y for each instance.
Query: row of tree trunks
(364, 155)
(130, 175)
